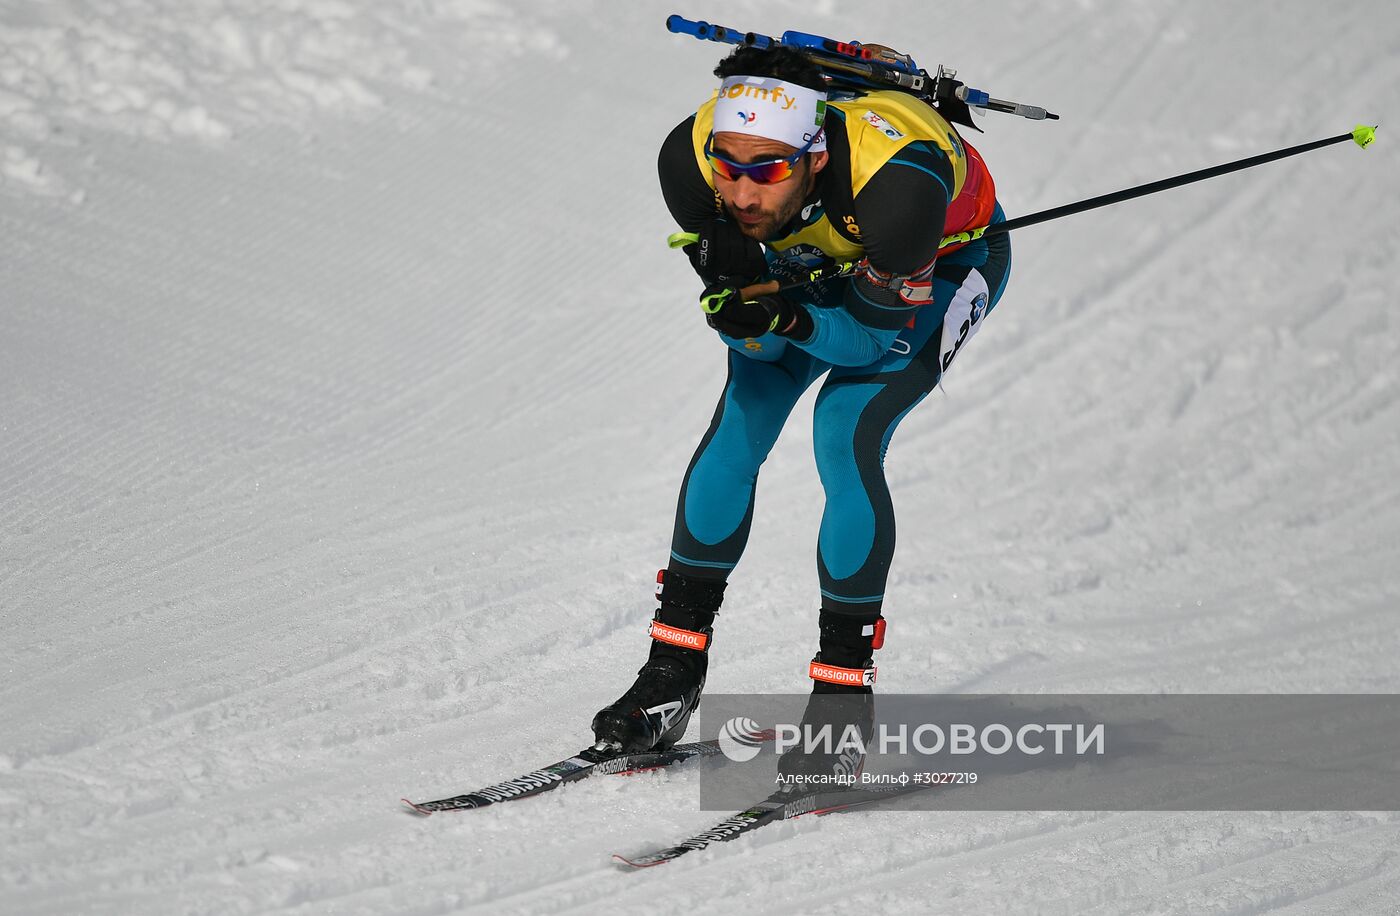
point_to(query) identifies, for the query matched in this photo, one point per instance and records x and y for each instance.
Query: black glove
(725, 253)
(733, 315)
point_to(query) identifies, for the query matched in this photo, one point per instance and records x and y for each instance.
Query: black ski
(587, 762)
(779, 806)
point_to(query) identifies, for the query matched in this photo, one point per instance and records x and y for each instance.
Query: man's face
(760, 210)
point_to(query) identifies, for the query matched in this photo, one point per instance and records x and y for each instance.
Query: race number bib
(963, 318)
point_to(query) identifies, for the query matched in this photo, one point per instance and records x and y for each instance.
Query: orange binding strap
(686, 639)
(846, 677)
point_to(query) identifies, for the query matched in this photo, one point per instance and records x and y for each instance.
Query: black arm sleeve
(688, 196)
(902, 207)
(900, 212)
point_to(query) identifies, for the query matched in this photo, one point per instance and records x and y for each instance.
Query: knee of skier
(840, 455)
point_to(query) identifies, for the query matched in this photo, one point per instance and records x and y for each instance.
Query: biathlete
(772, 177)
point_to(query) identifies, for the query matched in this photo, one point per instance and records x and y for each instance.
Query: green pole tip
(1363, 135)
(682, 239)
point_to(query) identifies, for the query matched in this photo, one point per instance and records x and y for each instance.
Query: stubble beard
(774, 220)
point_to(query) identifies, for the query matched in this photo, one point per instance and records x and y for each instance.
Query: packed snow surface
(348, 384)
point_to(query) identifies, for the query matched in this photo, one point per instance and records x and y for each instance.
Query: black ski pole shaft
(1362, 135)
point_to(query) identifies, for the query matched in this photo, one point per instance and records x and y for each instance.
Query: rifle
(849, 66)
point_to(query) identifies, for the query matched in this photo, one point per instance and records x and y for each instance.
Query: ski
(779, 806)
(587, 762)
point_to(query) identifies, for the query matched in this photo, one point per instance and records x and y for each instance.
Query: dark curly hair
(781, 63)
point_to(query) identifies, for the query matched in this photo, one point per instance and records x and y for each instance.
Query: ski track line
(1285, 848)
(1242, 657)
(1119, 285)
(895, 864)
(898, 870)
(1027, 454)
(323, 664)
(583, 883)
(249, 701)
(333, 396)
(1195, 636)
(231, 809)
(302, 838)
(1003, 502)
(1354, 897)
(901, 875)
(195, 552)
(345, 656)
(516, 879)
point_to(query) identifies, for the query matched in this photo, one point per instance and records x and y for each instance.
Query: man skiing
(772, 177)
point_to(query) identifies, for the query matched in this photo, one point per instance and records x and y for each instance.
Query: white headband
(764, 106)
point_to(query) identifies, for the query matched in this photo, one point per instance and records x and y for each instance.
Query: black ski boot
(653, 714)
(840, 716)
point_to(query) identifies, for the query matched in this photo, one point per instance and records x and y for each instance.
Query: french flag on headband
(764, 106)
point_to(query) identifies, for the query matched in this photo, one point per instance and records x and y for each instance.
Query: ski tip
(417, 809)
(638, 863)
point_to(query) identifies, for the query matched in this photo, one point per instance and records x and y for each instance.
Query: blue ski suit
(898, 180)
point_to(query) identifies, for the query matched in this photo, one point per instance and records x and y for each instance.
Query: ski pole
(1362, 135)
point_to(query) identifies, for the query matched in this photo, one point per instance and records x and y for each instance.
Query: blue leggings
(856, 414)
